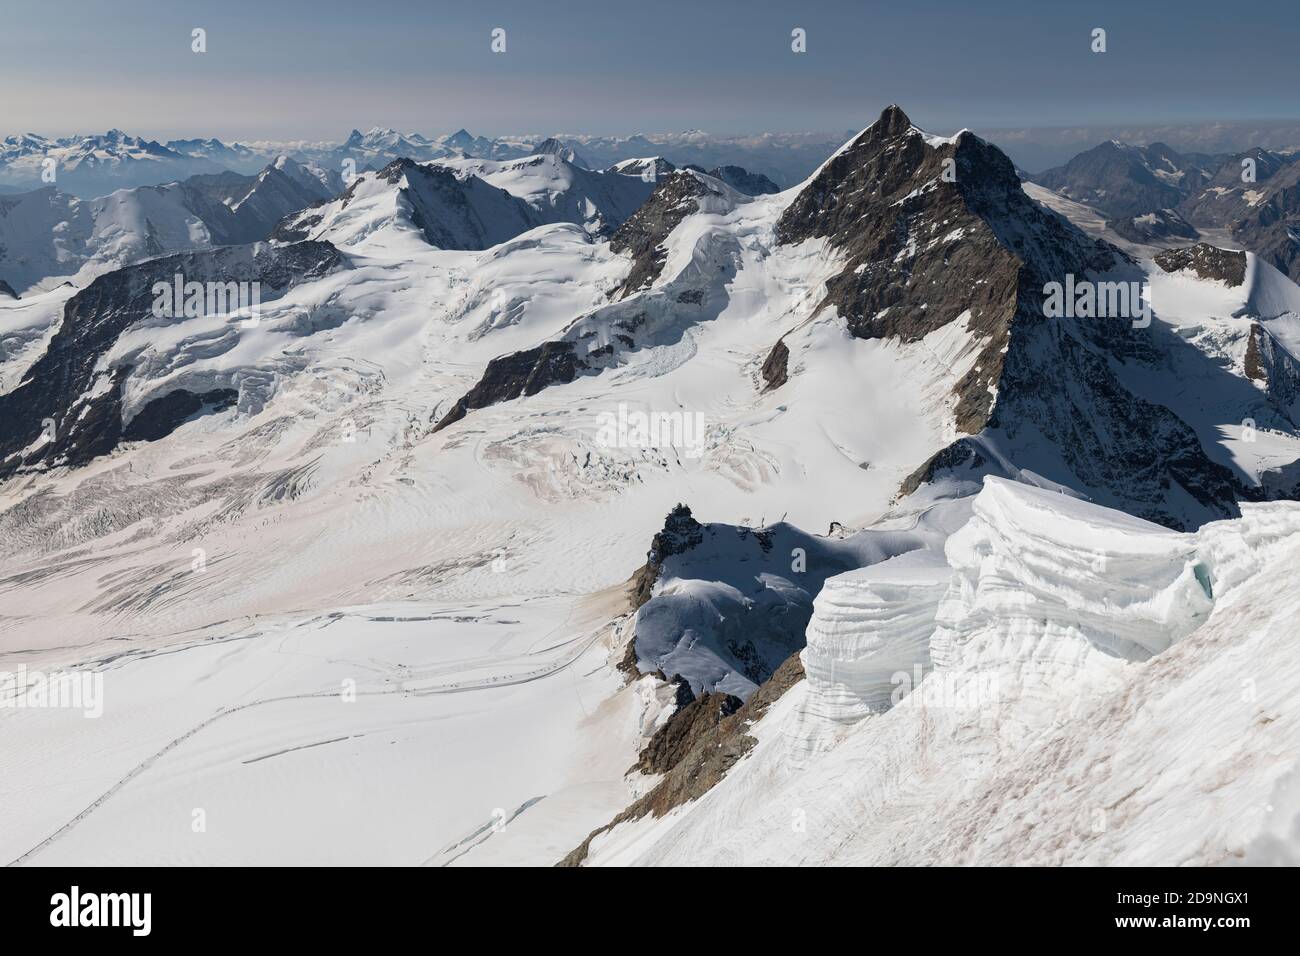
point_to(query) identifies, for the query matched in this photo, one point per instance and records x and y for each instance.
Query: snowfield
(1048, 730)
(331, 634)
(363, 735)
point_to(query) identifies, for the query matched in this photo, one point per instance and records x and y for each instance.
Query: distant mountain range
(926, 533)
(1042, 148)
(94, 165)
(1156, 194)
(48, 235)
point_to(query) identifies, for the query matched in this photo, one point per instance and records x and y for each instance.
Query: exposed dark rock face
(1272, 229)
(921, 250)
(933, 232)
(277, 191)
(240, 209)
(55, 394)
(733, 602)
(1262, 209)
(649, 168)
(1255, 370)
(627, 664)
(740, 179)
(681, 532)
(620, 325)
(1126, 452)
(962, 458)
(643, 235)
(560, 361)
(1205, 262)
(451, 212)
(1227, 197)
(296, 227)
(684, 729)
(712, 752)
(444, 209)
(775, 369)
(51, 233)
(554, 147)
(7, 291)
(1158, 226)
(1270, 366)
(163, 415)
(520, 373)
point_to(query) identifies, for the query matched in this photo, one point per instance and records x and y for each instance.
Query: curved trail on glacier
(505, 680)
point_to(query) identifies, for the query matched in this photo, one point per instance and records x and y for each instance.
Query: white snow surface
(228, 580)
(1090, 702)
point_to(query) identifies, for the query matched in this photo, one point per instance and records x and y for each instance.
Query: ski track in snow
(566, 653)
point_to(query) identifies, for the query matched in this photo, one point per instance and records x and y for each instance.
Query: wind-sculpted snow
(729, 604)
(1104, 691)
(1040, 576)
(273, 493)
(870, 634)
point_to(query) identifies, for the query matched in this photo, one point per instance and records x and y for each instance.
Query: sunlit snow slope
(1093, 689)
(351, 625)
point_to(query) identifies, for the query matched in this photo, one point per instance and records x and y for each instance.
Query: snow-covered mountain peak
(448, 211)
(554, 147)
(97, 164)
(483, 381)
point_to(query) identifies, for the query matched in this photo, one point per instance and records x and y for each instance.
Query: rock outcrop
(713, 751)
(938, 231)
(1205, 262)
(68, 410)
(643, 235)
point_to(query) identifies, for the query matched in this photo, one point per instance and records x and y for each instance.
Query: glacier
(998, 669)
(1096, 690)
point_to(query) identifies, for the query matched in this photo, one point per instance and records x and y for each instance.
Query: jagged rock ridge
(922, 250)
(67, 411)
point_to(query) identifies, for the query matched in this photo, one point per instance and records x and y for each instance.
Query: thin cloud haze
(315, 69)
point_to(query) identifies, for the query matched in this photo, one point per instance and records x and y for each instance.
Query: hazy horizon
(1033, 148)
(313, 71)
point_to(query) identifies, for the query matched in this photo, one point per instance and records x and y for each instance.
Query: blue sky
(295, 69)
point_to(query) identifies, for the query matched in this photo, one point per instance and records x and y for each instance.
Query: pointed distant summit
(461, 139)
(554, 147)
(551, 145)
(892, 122)
(936, 233)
